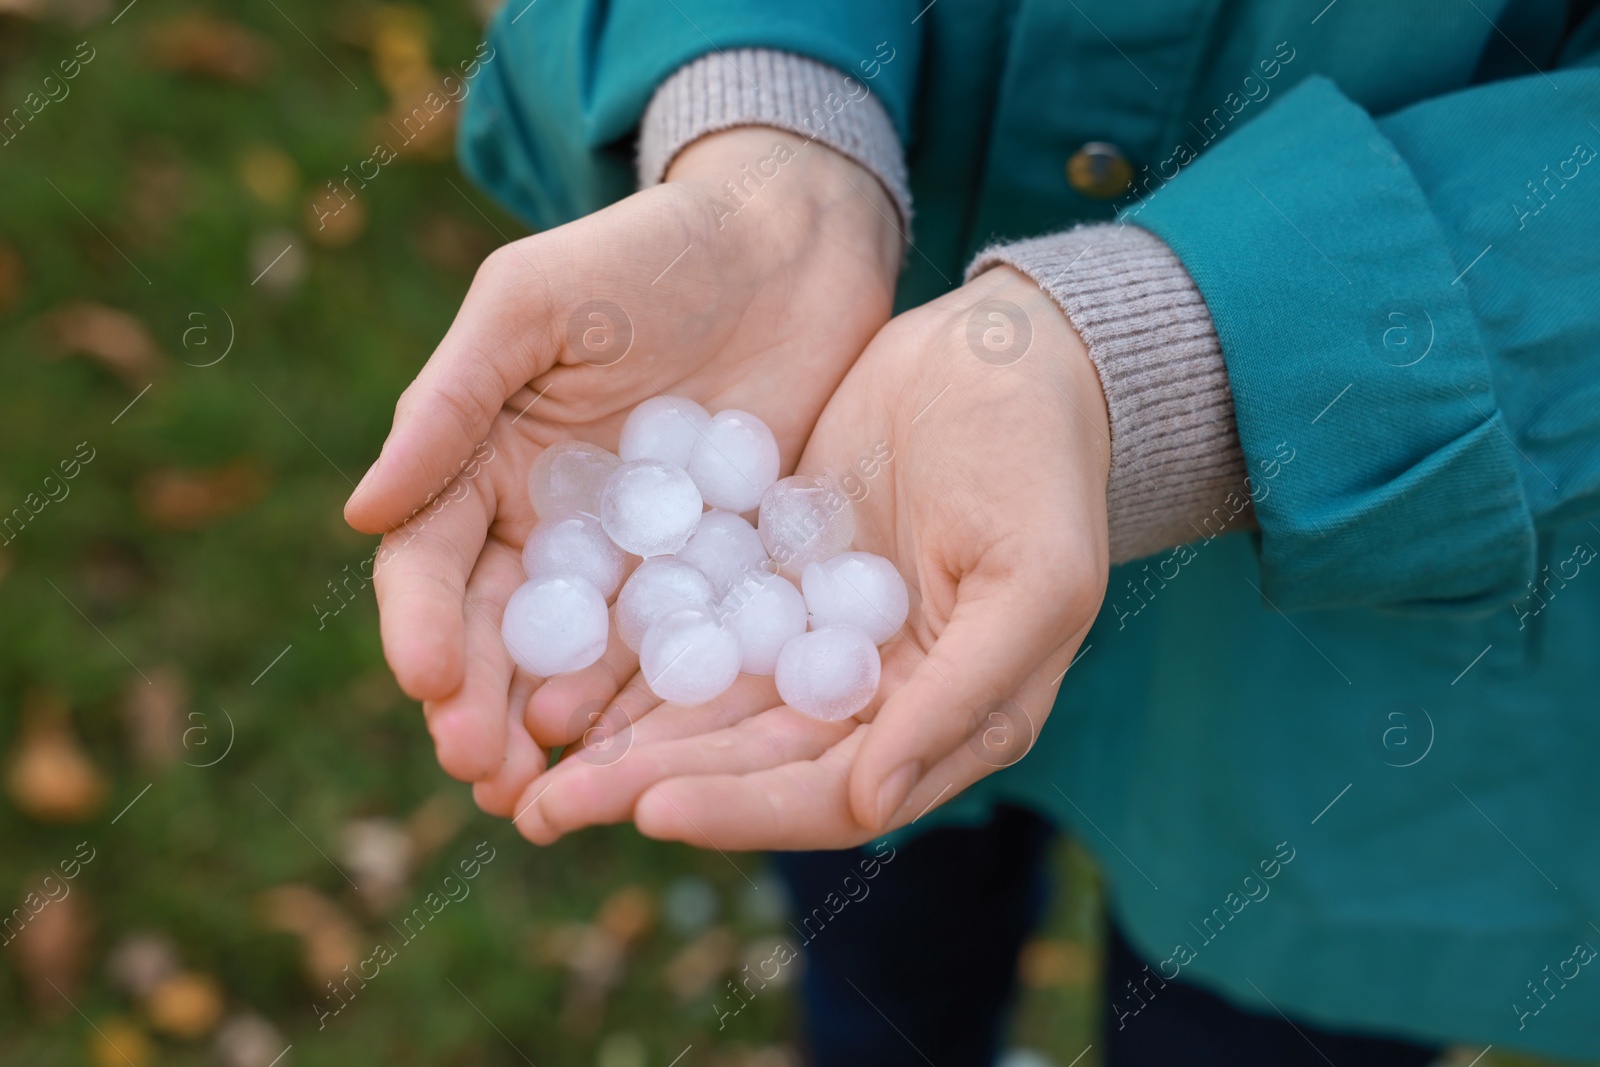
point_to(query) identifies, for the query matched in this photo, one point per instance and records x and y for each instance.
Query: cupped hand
(993, 507)
(756, 295)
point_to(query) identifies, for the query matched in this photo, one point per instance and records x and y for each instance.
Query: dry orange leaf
(436, 821)
(176, 499)
(400, 50)
(328, 938)
(49, 777)
(115, 338)
(701, 962)
(211, 47)
(186, 1006)
(1044, 964)
(335, 219)
(627, 914)
(52, 950)
(269, 173)
(153, 712)
(119, 1043)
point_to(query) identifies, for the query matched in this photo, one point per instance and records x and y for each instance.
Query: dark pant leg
(924, 966)
(1182, 1025)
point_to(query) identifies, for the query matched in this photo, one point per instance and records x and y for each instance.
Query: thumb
(999, 633)
(501, 338)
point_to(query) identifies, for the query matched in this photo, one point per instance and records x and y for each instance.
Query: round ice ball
(663, 428)
(829, 673)
(572, 544)
(555, 625)
(569, 475)
(764, 616)
(650, 508)
(734, 461)
(857, 589)
(687, 658)
(659, 587)
(805, 520)
(726, 549)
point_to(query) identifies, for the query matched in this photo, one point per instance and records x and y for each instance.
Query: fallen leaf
(278, 261)
(248, 1040)
(627, 914)
(700, 962)
(49, 777)
(328, 938)
(400, 43)
(153, 713)
(211, 47)
(770, 961)
(142, 961)
(186, 1006)
(115, 338)
(52, 950)
(436, 821)
(452, 244)
(178, 499)
(420, 123)
(334, 220)
(1045, 964)
(119, 1043)
(269, 173)
(379, 855)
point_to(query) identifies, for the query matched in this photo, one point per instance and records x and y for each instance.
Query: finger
(469, 725)
(501, 339)
(636, 716)
(564, 707)
(523, 760)
(999, 632)
(717, 740)
(420, 580)
(802, 805)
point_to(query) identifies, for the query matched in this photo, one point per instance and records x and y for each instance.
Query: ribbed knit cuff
(1177, 470)
(761, 87)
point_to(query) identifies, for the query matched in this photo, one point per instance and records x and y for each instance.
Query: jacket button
(1099, 170)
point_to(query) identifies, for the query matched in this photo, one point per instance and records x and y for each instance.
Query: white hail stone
(555, 625)
(650, 508)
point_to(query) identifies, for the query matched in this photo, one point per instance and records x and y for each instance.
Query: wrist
(996, 296)
(761, 179)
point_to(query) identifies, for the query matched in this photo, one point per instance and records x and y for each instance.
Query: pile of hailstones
(714, 595)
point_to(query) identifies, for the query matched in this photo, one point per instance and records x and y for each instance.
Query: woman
(1318, 376)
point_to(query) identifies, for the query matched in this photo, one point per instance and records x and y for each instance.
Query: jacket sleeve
(1411, 304)
(547, 129)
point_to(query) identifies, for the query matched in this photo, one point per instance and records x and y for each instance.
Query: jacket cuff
(1177, 470)
(763, 87)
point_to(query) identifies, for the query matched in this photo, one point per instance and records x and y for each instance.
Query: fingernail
(895, 788)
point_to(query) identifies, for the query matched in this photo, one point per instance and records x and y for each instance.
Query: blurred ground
(204, 331)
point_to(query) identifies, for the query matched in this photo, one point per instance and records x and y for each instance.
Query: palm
(560, 336)
(991, 514)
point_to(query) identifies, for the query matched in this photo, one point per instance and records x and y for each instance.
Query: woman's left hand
(993, 507)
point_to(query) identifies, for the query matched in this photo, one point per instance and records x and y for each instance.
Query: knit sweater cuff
(761, 87)
(1177, 470)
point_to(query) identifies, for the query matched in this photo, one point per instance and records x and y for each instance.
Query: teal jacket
(1347, 767)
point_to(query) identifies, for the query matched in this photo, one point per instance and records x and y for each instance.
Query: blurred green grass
(200, 543)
